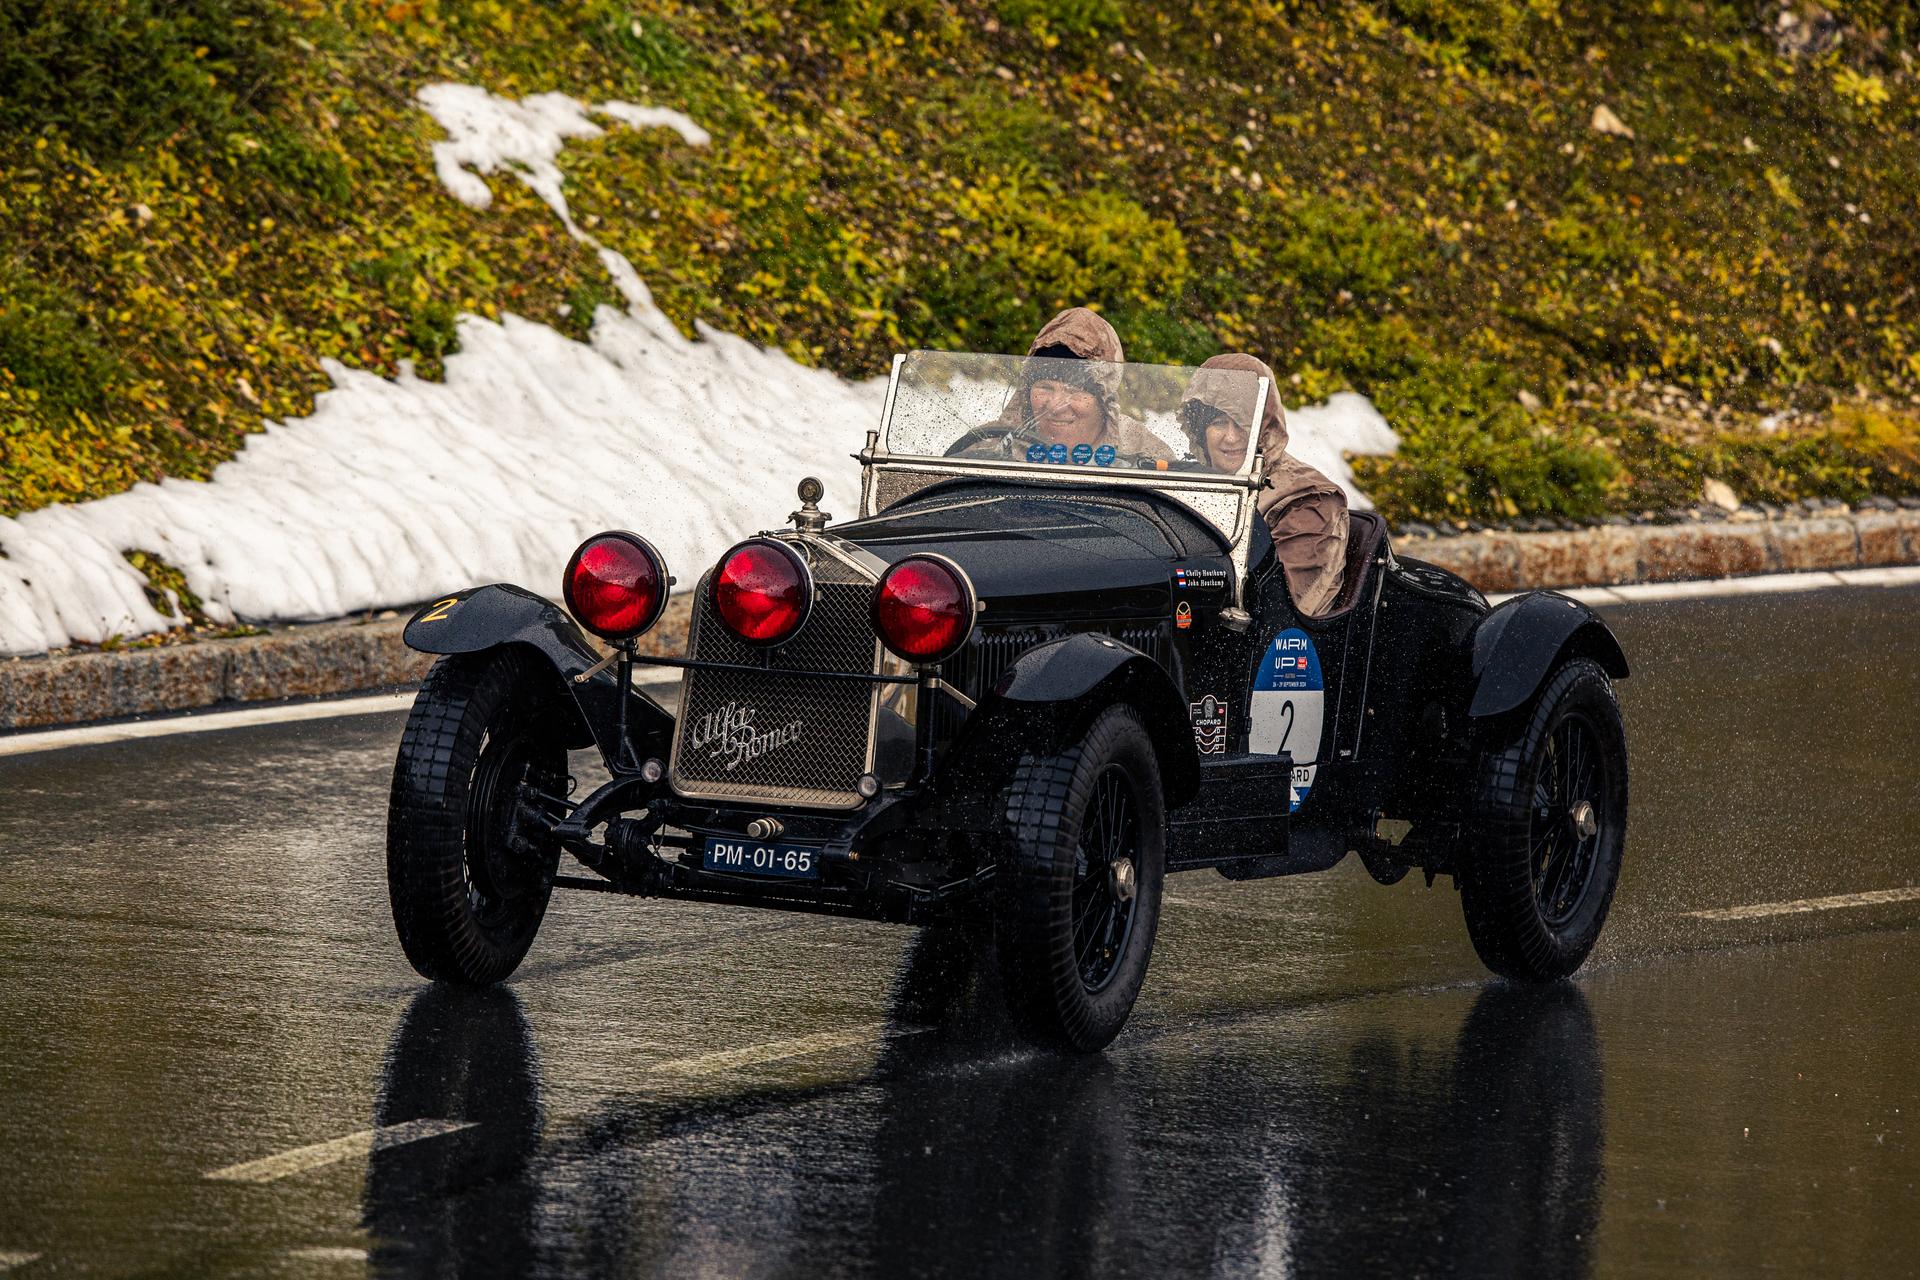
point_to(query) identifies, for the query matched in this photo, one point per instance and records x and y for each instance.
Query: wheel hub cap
(1585, 824)
(1120, 879)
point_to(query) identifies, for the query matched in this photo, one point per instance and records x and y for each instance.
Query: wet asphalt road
(199, 972)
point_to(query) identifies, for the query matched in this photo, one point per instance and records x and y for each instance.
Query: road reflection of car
(1013, 695)
(1252, 1148)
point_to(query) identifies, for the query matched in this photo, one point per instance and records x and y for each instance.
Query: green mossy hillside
(1564, 310)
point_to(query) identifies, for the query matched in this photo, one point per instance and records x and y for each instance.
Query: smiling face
(1065, 414)
(1226, 443)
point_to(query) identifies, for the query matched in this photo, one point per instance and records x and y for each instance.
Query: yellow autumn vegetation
(202, 199)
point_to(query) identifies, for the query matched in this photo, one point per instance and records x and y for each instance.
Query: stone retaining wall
(1610, 554)
(350, 657)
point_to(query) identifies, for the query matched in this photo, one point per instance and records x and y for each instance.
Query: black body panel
(1038, 553)
(1520, 642)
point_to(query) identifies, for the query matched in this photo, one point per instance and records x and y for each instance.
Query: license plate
(748, 857)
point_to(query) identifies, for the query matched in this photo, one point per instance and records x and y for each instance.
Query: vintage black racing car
(1030, 680)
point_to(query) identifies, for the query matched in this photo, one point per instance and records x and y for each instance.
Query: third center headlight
(763, 591)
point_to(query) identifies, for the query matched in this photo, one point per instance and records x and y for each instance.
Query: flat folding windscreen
(1077, 415)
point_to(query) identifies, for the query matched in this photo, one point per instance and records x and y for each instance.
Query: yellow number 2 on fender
(439, 611)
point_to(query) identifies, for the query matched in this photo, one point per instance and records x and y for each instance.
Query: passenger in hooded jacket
(1075, 404)
(1306, 511)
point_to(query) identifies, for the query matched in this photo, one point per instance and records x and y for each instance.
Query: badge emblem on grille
(729, 736)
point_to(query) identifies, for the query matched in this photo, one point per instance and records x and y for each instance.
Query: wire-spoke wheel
(1103, 884)
(469, 870)
(1549, 828)
(1078, 882)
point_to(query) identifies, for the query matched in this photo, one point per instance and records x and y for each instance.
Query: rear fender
(1518, 645)
(483, 618)
(1049, 695)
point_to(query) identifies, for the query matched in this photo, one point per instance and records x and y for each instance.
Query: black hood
(1036, 552)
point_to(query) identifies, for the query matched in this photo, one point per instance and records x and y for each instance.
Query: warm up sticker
(1289, 704)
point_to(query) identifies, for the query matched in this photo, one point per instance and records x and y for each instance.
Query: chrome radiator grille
(769, 735)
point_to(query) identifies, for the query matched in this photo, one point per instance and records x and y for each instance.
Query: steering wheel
(1003, 438)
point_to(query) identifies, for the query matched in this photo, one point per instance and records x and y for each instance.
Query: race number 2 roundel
(1289, 705)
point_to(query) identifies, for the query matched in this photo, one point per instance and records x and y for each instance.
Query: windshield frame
(1244, 486)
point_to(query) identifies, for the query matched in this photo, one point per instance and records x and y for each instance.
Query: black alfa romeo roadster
(1030, 680)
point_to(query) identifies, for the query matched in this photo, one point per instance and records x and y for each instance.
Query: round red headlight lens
(763, 591)
(616, 585)
(923, 609)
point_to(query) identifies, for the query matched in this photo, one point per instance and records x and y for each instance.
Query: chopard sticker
(729, 735)
(1183, 615)
(1200, 579)
(1209, 726)
(1056, 453)
(1082, 454)
(1036, 453)
(1289, 706)
(1104, 455)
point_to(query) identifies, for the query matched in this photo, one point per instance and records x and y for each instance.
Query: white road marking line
(1895, 575)
(202, 722)
(1758, 585)
(1760, 910)
(8, 1261)
(713, 1064)
(215, 721)
(329, 1253)
(363, 1143)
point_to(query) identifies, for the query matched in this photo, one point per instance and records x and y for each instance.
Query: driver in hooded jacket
(1074, 405)
(1306, 512)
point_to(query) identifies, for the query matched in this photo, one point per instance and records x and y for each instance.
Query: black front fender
(482, 618)
(1518, 645)
(1054, 689)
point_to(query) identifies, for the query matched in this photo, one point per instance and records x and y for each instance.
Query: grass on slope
(200, 198)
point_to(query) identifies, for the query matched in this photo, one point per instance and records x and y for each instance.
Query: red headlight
(616, 585)
(923, 608)
(763, 591)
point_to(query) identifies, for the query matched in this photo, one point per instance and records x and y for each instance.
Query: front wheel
(467, 874)
(1078, 883)
(1549, 829)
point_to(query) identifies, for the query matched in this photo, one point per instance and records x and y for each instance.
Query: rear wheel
(467, 874)
(1549, 829)
(1079, 883)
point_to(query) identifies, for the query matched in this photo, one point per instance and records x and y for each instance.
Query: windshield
(1078, 415)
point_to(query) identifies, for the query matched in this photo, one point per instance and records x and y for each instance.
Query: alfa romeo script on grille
(728, 735)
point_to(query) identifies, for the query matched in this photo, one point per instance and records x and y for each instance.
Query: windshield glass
(1078, 415)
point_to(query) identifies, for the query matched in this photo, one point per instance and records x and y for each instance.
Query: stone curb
(354, 657)
(1500, 560)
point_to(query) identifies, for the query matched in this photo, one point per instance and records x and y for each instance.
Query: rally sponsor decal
(1183, 615)
(1289, 706)
(1209, 726)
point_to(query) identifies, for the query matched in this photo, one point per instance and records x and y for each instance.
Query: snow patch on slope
(395, 491)
(1320, 435)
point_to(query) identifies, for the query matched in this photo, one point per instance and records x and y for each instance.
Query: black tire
(468, 892)
(1072, 951)
(1534, 882)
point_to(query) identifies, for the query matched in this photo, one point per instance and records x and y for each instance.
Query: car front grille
(769, 734)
